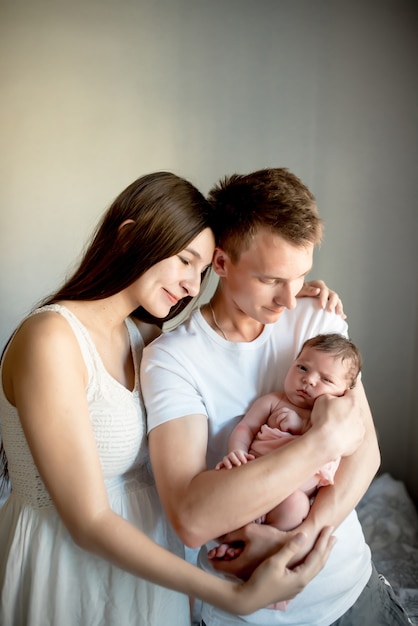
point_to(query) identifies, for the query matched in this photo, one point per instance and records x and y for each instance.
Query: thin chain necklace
(216, 322)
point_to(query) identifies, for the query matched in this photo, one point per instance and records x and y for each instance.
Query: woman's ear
(124, 224)
(219, 261)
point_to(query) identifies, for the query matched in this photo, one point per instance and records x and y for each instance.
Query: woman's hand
(273, 581)
(242, 551)
(329, 300)
(250, 545)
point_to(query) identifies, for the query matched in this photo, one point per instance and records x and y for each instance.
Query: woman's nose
(192, 285)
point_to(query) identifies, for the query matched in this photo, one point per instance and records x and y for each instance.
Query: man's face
(268, 275)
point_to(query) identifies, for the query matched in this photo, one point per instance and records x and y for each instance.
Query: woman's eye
(184, 261)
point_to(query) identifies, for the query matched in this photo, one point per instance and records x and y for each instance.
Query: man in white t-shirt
(199, 380)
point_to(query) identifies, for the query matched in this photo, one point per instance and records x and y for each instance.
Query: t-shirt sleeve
(169, 384)
(311, 320)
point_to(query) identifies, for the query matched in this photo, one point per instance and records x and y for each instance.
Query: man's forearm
(214, 502)
(354, 475)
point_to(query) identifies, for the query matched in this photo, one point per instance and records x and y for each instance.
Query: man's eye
(268, 281)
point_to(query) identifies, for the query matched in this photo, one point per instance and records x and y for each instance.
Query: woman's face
(172, 279)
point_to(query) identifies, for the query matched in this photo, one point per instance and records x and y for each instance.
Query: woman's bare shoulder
(42, 346)
(43, 325)
(38, 336)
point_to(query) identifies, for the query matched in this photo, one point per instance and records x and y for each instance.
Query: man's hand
(342, 427)
(329, 300)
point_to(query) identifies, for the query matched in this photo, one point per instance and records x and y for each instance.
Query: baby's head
(326, 364)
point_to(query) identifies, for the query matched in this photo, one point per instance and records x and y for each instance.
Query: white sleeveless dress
(45, 578)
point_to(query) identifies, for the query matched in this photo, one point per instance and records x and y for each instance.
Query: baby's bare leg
(290, 513)
(287, 515)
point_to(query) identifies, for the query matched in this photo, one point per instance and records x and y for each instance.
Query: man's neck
(230, 322)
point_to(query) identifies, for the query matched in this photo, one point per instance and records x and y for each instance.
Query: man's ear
(219, 261)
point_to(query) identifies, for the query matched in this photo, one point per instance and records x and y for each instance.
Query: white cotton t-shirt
(192, 370)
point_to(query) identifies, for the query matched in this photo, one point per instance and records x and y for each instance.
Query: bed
(390, 524)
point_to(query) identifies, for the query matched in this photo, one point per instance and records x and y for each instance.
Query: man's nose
(285, 297)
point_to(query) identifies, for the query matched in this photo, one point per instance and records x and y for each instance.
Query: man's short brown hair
(274, 199)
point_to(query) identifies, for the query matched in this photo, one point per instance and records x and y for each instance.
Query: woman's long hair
(153, 219)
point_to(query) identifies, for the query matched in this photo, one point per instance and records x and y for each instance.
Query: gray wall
(97, 93)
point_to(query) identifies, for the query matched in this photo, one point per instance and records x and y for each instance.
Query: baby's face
(314, 373)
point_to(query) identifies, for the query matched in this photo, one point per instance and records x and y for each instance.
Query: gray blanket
(390, 524)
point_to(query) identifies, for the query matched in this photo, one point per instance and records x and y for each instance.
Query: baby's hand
(289, 421)
(235, 458)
